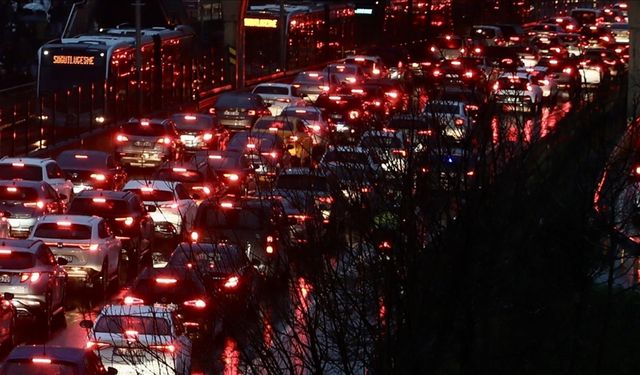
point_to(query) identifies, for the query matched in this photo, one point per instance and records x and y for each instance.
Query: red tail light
(29, 276)
(399, 152)
(38, 204)
(128, 221)
(212, 110)
(197, 303)
(96, 345)
(269, 249)
(98, 176)
(251, 112)
(392, 94)
(354, 114)
(207, 136)
(121, 138)
(195, 236)
(325, 199)
(231, 176)
(170, 348)
(166, 281)
(384, 245)
(130, 300)
(459, 122)
(41, 361)
(436, 73)
(165, 140)
(232, 282)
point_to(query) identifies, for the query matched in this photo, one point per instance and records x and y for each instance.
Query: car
(620, 32)
(92, 252)
(345, 113)
(462, 72)
(451, 117)
(140, 339)
(565, 72)
(22, 202)
(91, 169)
(448, 46)
(238, 110)
(592, 70)
(37, 169)
(448, 168)
(51, 359)
(568, 24)
(546, 80)
(517, 90)
(200, 131)
(232, 168)
(128, 219)
(346, 74)
(611, 63)
(194, 174)
(310, 84)
(147, 143)
(257, 225)
(180, 286)
(492, 35)
(571, 41)
(513, 34)
(387, 149)
(175, 209)
(294, 132)
(314, 121)
(586, 16)
(372, 66)
(542, 29)
(596, 36)
(37, 280)
(372, 98)
(278, 96)
(395, 96)
(550, 46)
(267, 152)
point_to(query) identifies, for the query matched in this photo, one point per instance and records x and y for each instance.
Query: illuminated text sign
(73, 60)
(260, 22)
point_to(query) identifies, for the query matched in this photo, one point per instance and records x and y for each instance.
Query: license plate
(5, 279)
(142, 144)
(231, 113)
(129, 352)
(68, 258)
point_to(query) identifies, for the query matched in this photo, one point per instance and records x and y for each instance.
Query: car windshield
(30, 368)
(441, 108)
(16, 260)
(99, 206)
(219, 258)
(302, 114)
(380, 142)
(180, 175)
(151, 130)
(193, 122)
(63, 230)
(273, 90)
(20, 172)
(18, 194)
(234, 219)
(79, 160)
(142, 324)
(345, 157)
(301, 182)
(153, 195)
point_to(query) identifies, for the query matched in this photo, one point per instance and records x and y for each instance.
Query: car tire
(121, 276)
(102, 280)
(45, 321)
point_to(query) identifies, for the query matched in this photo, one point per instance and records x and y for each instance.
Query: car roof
(74, 219)
(61, 353)
(26, 161)
(136, 310)
(23, 183)
(24, 245)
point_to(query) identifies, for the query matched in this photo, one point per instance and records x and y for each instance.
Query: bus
(100, 69)
(314, 33)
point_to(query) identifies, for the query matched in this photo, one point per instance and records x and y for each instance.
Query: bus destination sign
(73, 60)
(261, 22)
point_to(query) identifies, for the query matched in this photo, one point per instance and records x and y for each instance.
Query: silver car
(147, 143)
(30, 271)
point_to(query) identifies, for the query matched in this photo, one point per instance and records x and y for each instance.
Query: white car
(546, 81)
(140, 340)
(175, 209)
(620, 32)
(92, 252)
(451, 116)
(313, 119)
(278, 96)
(347, 74)
(372, 66)
(37, 169)
(517, 90)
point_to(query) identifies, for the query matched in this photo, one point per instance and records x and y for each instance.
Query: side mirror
(62, 196)
(150, 208)
(8, 296)
(62, 261)
(87, 324)
(111, 371)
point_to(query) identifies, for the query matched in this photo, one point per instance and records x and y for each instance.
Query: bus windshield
(63, 68)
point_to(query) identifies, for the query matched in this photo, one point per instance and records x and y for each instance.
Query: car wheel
(121, 276)
(45, 322)
(102, 280)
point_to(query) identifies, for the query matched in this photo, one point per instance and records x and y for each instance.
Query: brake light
(251, 112)
(357, 91)
(194, 236)
(64, 223)
(218, 157)
(166, 281)
(29, 276)
(189, 117)
(336, 98)
(351, 79)
(284, 100)
(5, 252)
(121, 138)
(436, 73)
(553, 62)
(384, 245)
(471, 107)
(165, 140)
(207, 136)
(273, 129)
(529, 87)
(293, 138)
(98, 176)
(392, 94)
(375, 71)
(354, 114)
(212, 110)
(468, 74)
(164, 348)
(459, 122)
(249, 145)
(128, 221)
(325, 199)
(232, 282)
(12, 189)
(470, 173)
(226, 204)
(316, 128)
(130, 300)
(231, 176)
(197, 303)
(38, 204)
(399, 152)
(456, 63)
(477, 50)
(96, 345)
(93, 247)
(19, 165)
(324, 88)
(78, 156)
(567, 70)
(299, 217)
(496, 86)
(544, 82)
(269, 249)
(99, 200)
(41, 361)
(146, 189)
(144, 122)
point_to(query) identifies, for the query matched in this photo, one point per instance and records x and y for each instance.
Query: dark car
(147, 143)
(395, 96)
(200, 131)
(47, 359)
(179, 285)
(239, 110)
(90, 169)
(345, 113)
(257, 225)
(231, 168)
(22, 202)
(127, 217)
(195, 175)
(310, 84)
(267, 152)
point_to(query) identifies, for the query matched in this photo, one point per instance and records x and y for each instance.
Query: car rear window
(22, 172)
(345, 157)
(512, 84)
(233, 219)
(17, 260)
(275, 90)
(18, 193)
(192, 122)
(301, 182)
(151, 130)
(309, 78)
(144, 325)
(380, 142)
(220, 258)
(154, 195)
(235, 101)
(30, 368)
(269, 125)
(302, 114)
(104, 207)
(63, 231)
(79, 160)
(180, 175)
